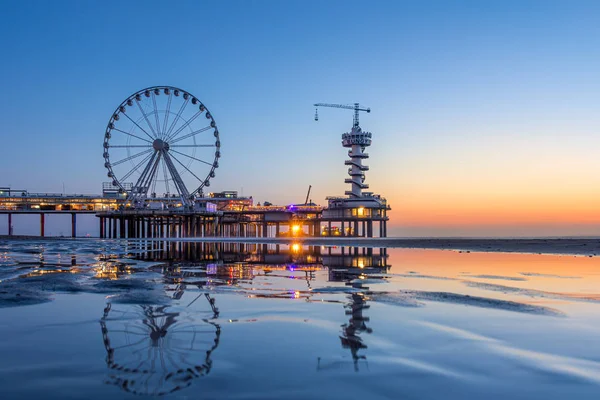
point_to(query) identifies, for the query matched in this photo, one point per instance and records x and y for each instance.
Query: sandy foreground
(574, 246)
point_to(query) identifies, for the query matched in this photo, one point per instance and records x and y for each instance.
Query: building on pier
(359, 212)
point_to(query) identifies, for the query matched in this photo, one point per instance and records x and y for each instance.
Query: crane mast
(356, 107)
(307, 194)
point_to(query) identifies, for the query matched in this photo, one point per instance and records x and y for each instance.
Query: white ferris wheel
(161, 142)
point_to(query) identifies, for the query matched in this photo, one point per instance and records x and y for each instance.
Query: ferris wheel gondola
(158, 141)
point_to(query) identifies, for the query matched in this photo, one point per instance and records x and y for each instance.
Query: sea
(117, 319)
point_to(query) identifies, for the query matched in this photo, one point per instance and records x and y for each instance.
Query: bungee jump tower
(358, 212)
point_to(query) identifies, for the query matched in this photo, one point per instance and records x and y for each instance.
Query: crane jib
(356, 107)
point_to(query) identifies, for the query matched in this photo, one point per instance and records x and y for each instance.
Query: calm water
(104, 319)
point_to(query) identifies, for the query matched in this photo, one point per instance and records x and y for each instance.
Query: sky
(484, 113)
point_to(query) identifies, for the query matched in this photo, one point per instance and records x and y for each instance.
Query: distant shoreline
(571, 246)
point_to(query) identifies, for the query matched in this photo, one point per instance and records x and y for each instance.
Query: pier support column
(277, 226)
(343, 229)
(10, 227)
(73, 225)
(265, 229)
(113, 221)
(42, 224)
(122, 227)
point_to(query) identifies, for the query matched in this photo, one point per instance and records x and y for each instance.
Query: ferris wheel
(161, 142)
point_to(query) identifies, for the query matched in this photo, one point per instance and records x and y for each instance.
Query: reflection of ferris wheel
(151, 350)
(158, 141)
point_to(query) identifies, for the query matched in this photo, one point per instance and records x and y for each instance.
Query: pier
(148, 197)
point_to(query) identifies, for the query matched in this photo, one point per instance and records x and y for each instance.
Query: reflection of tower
(151, 350)
(357, 141)
(351, 331)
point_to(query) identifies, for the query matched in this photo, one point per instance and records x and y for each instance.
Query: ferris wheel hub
(159, 145)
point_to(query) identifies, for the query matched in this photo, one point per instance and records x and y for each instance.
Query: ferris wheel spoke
(187, 169)
(192, 145)
(146, 159)
(177, 117)
(191, 134)
(130, 157)
(131, 344)
(127, 133)
(128, 146)
(167, 112)
(182, 127)
(136, 124)
(193, 158)
(146, 118)
(156, 114)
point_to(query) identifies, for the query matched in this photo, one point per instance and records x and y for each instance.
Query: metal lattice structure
(157, 140)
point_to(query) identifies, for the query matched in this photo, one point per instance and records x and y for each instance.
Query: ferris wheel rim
(168, 135)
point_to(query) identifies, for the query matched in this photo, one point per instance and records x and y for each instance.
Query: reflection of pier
(217, 264)
(348, 258)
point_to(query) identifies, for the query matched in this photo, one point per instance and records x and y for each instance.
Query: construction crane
(356, 107)
(307, 194)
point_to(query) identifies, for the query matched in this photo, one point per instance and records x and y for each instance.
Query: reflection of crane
(356, 107)
(307, 194)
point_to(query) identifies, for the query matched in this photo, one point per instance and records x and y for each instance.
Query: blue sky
(469, 98)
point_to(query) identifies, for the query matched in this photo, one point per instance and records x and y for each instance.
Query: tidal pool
(98, 319)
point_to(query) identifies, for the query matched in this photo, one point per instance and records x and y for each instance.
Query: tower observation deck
(356, 212)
